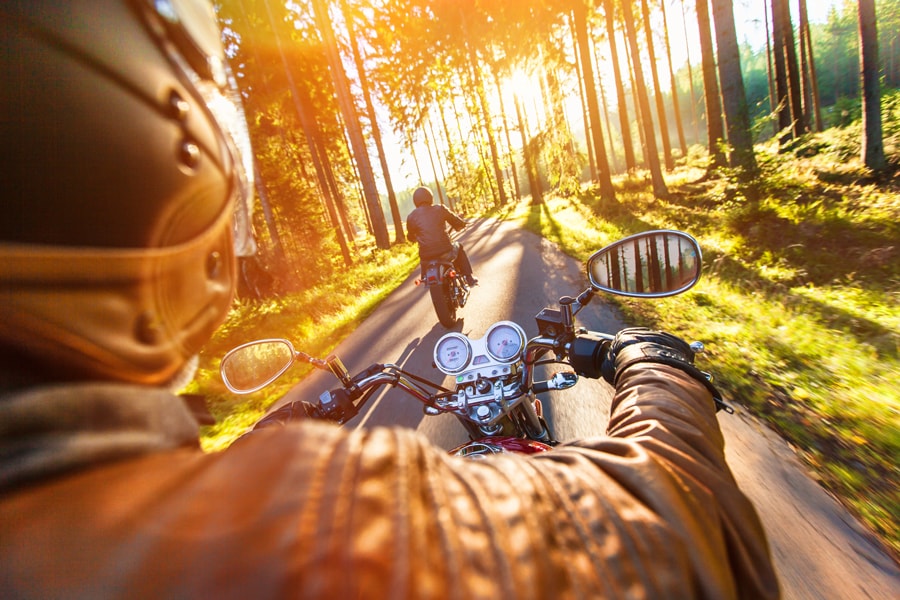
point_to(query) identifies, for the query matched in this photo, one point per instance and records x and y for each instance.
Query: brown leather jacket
(312, 511)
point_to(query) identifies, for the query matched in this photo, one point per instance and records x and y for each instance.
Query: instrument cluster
(489, 356)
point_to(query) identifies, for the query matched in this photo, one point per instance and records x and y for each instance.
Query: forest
(586, 120)
(495, 101)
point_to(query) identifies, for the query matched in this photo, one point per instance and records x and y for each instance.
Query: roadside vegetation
(799, 305)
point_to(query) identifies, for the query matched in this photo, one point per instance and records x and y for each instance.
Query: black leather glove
(639, 344)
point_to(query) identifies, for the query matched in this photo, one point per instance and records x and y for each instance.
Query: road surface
(819, 550)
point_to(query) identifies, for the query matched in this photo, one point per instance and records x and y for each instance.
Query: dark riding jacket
(427, 225)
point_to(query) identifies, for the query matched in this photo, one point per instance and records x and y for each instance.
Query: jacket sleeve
(411, 228)
(454, 220)
(666, 449)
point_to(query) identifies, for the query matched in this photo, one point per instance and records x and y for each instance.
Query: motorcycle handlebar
(585, 354)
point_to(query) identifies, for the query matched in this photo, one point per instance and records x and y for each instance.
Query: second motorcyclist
(427, 225)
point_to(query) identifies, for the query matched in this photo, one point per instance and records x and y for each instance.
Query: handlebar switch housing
(336, 405)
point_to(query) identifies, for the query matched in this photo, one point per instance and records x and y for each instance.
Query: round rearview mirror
(647, 265)
(254, 365)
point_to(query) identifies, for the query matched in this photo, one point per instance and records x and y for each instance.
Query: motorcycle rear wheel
(443, 305)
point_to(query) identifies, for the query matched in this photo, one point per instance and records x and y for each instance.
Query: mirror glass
(252, 366)
(651, 264)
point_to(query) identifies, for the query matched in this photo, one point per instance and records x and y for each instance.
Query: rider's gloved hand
(641, 345)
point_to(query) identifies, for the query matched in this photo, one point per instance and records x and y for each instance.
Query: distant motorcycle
(447, 287)
(494, 395)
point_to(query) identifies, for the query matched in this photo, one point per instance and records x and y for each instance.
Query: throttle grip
(587, 354)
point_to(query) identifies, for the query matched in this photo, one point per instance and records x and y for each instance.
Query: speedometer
(452, 353)
(505, 341)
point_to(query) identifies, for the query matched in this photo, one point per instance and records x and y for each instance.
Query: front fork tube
(531, 424)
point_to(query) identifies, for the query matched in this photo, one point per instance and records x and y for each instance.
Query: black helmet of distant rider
(127, 191)
(423, 197)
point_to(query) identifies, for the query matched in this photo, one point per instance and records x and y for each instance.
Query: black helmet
(423, 197)
(125, 157)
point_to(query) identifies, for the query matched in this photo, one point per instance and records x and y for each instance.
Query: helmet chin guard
(130, 315)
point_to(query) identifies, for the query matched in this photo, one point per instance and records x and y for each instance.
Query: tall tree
(579, 20)
(351, 120)
(656, 178)
(603, 103)
(582, 95)
(872, 143)
(514, 175)
(657, 90)
(787, 72)
(734, 98)
(808, 67)
(301, 103)
(690, 70)
(534, 181)
(399, 236)
(621, 102)
(770, 74)
(673, 81)
(715, 127)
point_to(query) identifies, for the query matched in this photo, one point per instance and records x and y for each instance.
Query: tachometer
(452, 353)
(505, 341)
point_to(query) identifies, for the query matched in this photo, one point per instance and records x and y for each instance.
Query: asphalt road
(819, 550)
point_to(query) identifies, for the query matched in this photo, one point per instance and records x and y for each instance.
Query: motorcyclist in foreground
(117, 263)
(427, 226)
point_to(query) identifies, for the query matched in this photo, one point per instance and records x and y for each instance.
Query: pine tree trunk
(657, 90)
(656, 178)
(584, 107)
(715, 127)
(509, 152)
(676, 108)
(782, 91)
(872, 143)
(809, 71)
(310, 132)
(734, 98)
(399, 236)
(607, 192)
(690, 68)
(354, 131)
(534, 182)
(770, 75)
(624, 122)
(605, 106)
